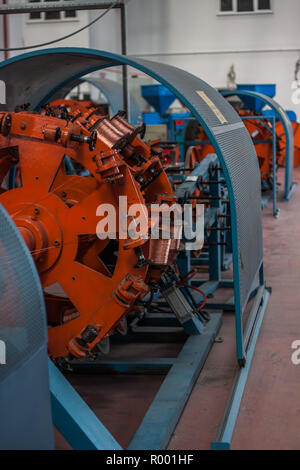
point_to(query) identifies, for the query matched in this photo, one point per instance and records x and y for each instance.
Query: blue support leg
(74, 419)
(163, 415)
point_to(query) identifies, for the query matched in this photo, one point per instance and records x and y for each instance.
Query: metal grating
(238, 152)
(22, 311)
(35, 77)
(240, 161)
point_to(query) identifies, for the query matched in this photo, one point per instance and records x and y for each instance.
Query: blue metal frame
(74, 419)
(215, 256)
(84, 431)
(272, 120)
(163, 415)
(282, 116)
(224, 437)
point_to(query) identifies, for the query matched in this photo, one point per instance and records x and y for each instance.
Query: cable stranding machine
(33, 78)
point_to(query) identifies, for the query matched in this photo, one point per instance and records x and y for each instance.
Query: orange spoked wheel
(261, 134)
(281, 143)
(90, 284)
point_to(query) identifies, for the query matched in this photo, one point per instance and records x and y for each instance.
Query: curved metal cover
(23, 316)
(37, 76)
(24, 381)
(288, 129)
(112, 90)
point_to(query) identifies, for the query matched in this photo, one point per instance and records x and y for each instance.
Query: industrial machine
(59, 163)
(110, 95)
(259, 129)
(272, 130)
(55, 211)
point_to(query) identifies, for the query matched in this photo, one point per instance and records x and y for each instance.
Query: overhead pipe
(5, 33)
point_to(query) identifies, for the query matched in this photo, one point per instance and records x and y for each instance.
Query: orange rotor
(90, 284)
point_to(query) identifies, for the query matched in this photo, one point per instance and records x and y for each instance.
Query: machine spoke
(79, 279)
(82, 217)
(36, 172)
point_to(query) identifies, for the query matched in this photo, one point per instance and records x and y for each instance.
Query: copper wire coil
(176, 236)
(110, 135)
(175, 244)
(122, 125)
(159, 251)
(125, 127)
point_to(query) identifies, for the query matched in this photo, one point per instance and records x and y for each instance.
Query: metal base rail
(83, 430)
(224, 437)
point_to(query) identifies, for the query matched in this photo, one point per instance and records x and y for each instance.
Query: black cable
(63, 37)
(297, 70)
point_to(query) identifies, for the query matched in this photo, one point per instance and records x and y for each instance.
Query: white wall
(14, 32)
(40, 31)
(190, 34)
(23, 32)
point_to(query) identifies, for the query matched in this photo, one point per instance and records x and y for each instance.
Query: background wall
(40, 31)
(192, 35)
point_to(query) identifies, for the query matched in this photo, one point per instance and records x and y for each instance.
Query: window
(36, 15)
(52, 15)
(245, 6)
(226, 5)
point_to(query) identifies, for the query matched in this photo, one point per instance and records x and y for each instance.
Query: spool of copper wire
(110, 135)
(160, 250)
(122, 125)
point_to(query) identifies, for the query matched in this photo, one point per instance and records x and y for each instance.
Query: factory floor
(269, 416)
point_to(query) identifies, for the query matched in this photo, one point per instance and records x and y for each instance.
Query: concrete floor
(269, 417)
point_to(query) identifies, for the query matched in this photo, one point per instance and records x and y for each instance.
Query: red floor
(270, 411)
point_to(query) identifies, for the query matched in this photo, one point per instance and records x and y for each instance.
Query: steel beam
(74, 419)
(16, 8)
(163, 415)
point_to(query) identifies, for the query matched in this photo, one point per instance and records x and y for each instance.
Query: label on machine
(212, 106)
